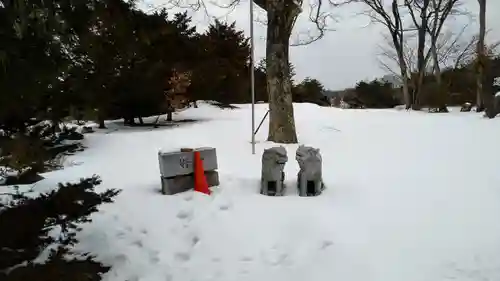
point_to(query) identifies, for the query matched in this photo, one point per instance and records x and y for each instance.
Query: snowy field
(410, 196)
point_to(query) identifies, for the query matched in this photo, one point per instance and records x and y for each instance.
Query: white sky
(344, 56)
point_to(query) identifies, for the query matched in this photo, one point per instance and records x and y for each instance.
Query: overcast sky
(344, 56)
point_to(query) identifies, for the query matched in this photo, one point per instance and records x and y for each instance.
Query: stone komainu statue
(309, 178)
(272, 178)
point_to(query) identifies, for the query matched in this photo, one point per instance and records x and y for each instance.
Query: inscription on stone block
(177, 163)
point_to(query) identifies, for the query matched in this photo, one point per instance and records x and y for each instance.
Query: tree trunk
(280, 19)
(479, 89)
(397, 35)
(155, 124)
(480, 56)
(55, 127)
(398, 45)
(421, 59)
(101, 124)
(483, 98)
(100, 119)
(442, 92)
(141, 121)
(404, 77)
(170, 116)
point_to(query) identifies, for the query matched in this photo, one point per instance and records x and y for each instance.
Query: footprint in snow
(182, 256)
(217, 275)
(280, 259)
(184, 214)
(195, 240)
(138, 243)
(276, 257)
(325, 244)
(154, 257)
(224, 207)
(246, 259)
(120, 258)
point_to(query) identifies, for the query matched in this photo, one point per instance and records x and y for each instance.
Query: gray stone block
(174, 185)
(178, 163)
(272, 177)
(309, 178)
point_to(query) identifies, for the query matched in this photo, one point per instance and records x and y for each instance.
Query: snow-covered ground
(410, 196)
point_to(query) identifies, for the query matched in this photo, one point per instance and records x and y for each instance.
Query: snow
(496, 81)
(409, 196)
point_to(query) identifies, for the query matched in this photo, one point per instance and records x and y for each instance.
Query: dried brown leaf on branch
(179, 82)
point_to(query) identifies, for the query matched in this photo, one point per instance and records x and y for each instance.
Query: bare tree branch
(388, 57)
(441, 10)
(320, 14)
(391, 18)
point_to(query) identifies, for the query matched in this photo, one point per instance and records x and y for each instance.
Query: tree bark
(481, 95)
(404, 78)
(397, 35)
(437, 68)
(170, 116)
(442, 92)
(101, 124)
(421, 58)
(281, 15)
(100, 119)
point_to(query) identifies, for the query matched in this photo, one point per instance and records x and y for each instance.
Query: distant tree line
(420, 45)
(457, 87)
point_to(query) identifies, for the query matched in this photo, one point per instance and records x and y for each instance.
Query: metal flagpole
(252, 75)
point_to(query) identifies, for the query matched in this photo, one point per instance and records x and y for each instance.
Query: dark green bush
(25, 224)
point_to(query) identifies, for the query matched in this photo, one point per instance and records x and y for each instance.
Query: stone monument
(273, 177)
(177, 169)
(309, 178)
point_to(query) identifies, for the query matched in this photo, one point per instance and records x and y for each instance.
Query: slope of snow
(410, 196)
